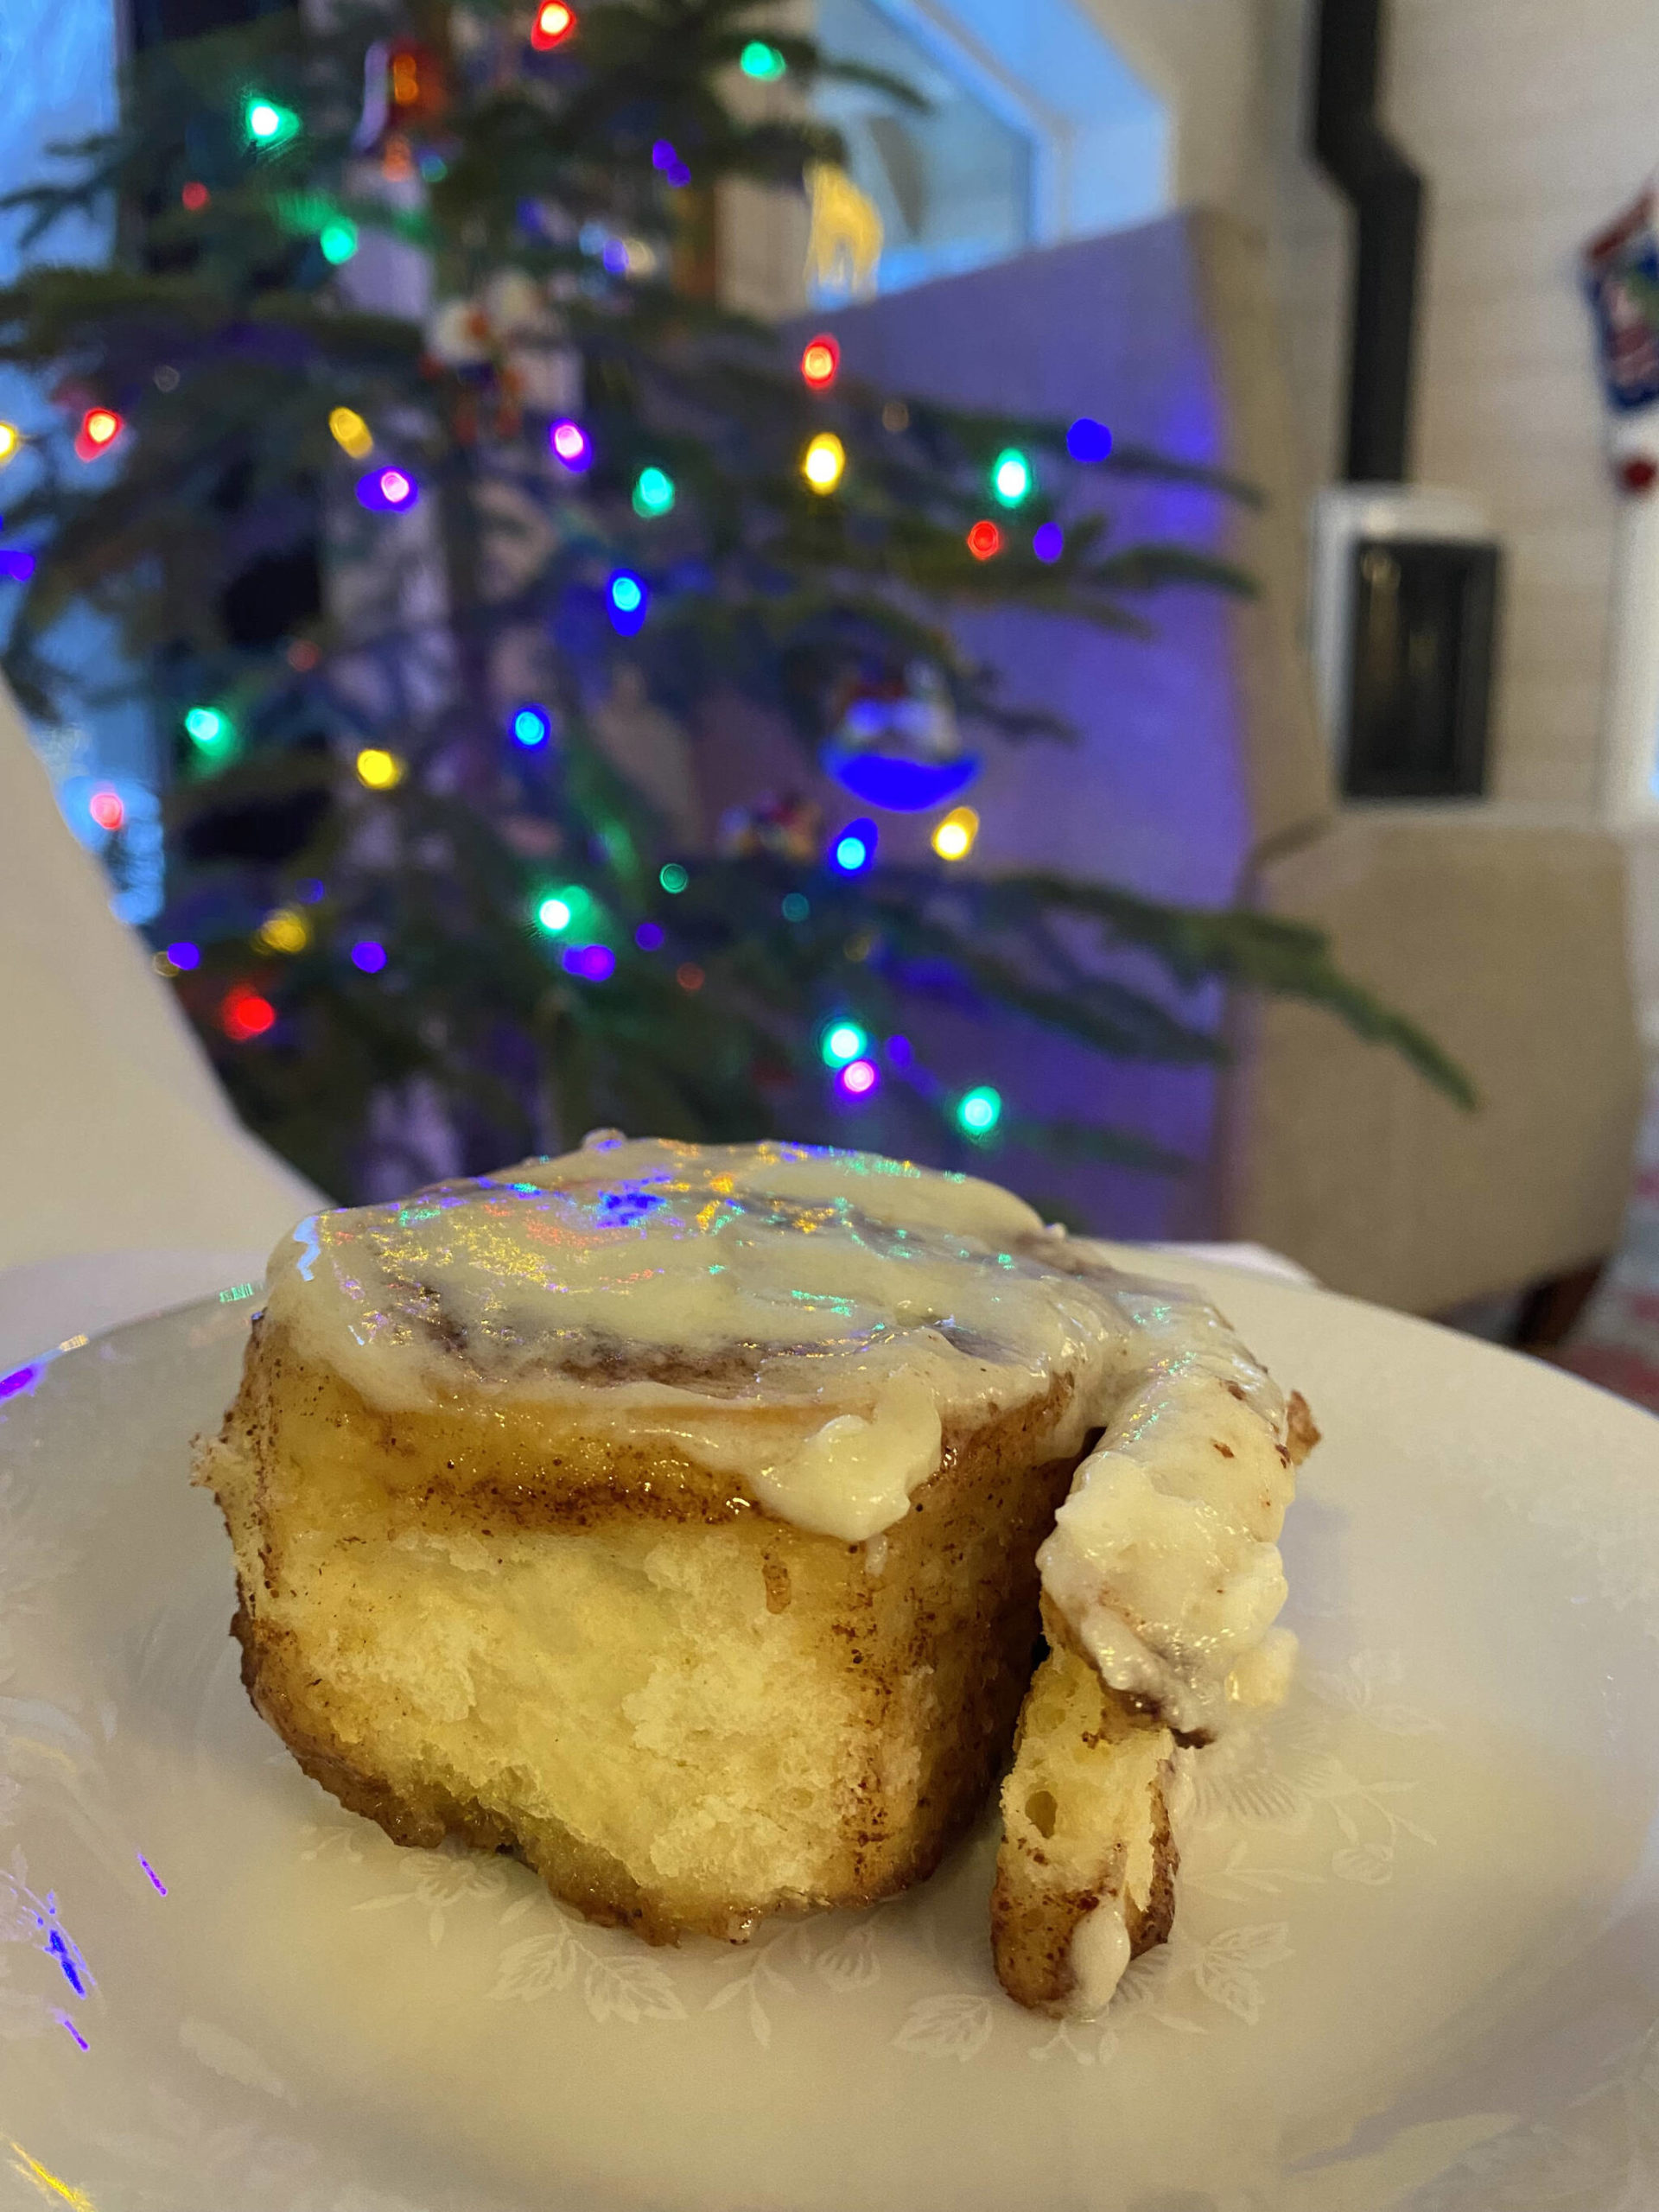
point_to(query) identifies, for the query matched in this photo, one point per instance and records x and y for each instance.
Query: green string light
(979, 1111)
(653, 493)
(762, 61)
(1011, 478)
(209, 730)
(268, 124)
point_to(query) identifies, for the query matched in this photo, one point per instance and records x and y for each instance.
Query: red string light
(984, 539)
(820, 362)
(106, 808)
(554, 23)
(99, 427)
(195, 197)
(243, 1013)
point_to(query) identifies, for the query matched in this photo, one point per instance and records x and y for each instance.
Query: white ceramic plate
(1417, 1960)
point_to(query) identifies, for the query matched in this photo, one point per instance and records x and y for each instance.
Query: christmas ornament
(825, 461)
(843, 252)
(414, 82)
(896, 743)
(790, 828)
(1088, 441)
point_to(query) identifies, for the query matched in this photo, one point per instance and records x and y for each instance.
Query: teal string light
(842, 1042)
(979, 1111)
(653, 493)
(267, 124)
(1011, 477)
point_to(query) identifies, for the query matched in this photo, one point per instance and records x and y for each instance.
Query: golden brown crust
(1086, 1826)
(1302, 1432)
(929, 1656)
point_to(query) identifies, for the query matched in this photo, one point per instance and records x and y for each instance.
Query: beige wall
(1202, 57)
(1534, 121)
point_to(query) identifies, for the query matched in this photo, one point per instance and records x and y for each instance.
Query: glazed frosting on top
(809, 1320)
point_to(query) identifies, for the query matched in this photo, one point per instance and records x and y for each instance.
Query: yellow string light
(953, 838)
(825, 461)
(285, 930)
(349, 431)
(11, 439)
(379, 770)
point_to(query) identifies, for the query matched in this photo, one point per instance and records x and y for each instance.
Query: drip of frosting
(809, 1321)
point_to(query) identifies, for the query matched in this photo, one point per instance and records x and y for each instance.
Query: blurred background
(1326, 338)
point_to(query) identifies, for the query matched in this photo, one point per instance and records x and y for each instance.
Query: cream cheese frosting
(809, 1320)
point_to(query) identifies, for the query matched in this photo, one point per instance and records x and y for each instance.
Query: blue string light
(854, 848)
(629, 597)
(1048, 542)
(1087, 440)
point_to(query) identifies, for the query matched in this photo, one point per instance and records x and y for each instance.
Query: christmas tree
(405, 437)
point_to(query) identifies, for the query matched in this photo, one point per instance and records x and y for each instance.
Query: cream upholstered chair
(114, 1134)
(1504, 934)
(1507, 941)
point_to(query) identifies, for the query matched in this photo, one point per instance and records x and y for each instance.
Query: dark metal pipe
(1388, 196)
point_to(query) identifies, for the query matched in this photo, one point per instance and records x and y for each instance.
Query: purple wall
(1151, 796)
